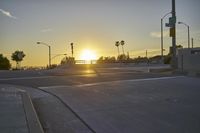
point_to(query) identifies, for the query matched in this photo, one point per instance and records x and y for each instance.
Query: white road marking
(108, 82)
(41, 77)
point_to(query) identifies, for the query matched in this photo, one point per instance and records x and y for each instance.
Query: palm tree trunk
(123, 49)
(118, 50)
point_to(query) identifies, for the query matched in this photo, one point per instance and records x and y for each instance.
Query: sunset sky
(91, 24)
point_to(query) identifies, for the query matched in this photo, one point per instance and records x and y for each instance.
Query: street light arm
(166, 15)
(183, 24)
(188, 27)
(43, 44)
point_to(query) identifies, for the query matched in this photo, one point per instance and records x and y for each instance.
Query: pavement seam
(66, 105)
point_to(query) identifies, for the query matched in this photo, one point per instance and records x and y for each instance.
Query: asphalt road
(112, 100)
(80, 76)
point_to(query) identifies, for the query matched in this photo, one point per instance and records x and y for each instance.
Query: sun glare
(88, 55)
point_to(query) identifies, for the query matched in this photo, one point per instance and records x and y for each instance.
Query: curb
(160, 70)
(33, 122)
(188, 73)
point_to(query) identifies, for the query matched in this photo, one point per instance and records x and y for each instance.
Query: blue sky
(91, 24)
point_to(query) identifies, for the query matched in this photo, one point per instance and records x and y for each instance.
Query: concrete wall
(189, 59)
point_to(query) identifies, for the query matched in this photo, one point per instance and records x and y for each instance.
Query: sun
(88, 55)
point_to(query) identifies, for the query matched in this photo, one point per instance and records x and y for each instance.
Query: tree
(108, 59)
(122, 43)
(122, 58)
(4, 63)
(18, 57)
(68, 60)
(117, 45)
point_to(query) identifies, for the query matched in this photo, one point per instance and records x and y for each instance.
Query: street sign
(172, 22)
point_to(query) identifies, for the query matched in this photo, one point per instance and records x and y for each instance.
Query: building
(189, 59)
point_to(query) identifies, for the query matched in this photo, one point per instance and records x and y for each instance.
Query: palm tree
(122, 43)
(18, 57)
(117, 45)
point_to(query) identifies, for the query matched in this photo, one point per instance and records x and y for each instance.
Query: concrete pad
(12, 115)
(160, 105)
(17, 114)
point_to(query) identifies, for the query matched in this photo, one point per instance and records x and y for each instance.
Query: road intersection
(108, 100)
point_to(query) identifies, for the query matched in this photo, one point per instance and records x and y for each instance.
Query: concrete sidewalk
(17, 112)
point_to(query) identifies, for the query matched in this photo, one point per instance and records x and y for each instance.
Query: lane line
(108, 82)
(20, 78)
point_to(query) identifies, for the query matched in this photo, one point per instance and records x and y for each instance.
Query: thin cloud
(158, 34)
(8, 14)
(46, 30)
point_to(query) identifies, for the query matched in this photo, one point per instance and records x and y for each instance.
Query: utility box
(189, 59)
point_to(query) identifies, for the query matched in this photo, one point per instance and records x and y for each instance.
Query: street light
(188, 28)
(162, 33)
(49, 51)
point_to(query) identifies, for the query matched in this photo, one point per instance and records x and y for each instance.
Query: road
(107, 100)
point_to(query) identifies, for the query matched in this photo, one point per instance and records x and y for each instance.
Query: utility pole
(174, 60)
(172, 26)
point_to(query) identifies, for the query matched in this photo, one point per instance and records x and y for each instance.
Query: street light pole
(188, 29)
(49, 56)
(162, 34)
(192, 42)
(49, 51)
(188, 36)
